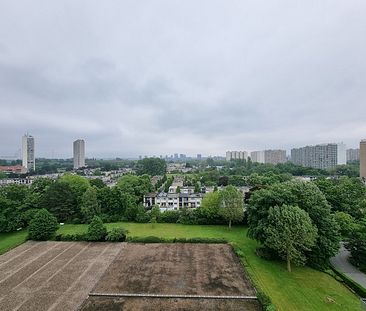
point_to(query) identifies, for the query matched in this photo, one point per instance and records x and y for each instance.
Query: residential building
(257, 156)
(322, 156)
(353, 155)
(236, 155)
(199, 156)
(363, 159)
(79, 153)
(275, 156)
(16, 169)
(172, 201)
(28, 153)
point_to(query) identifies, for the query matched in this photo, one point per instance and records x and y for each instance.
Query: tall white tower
(28, 152)
(79, 153)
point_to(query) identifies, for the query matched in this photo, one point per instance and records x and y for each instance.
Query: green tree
(89, 204)
(151, 166)
(308, 197)
(61, 201)
(96, 230)
(290, 232)
(77, 184)
(43, 226)
(357, 245)
(209, 211)
(135, 186)
(97, 182)
(345, 222)
(231, 205)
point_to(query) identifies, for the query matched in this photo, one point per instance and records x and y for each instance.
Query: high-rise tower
(79, 153)
(28, 157)
(363, 159)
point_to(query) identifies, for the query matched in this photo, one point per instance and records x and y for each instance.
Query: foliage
(43, 226)
(209, 211)
(97, 182)
(61, 201)
(187, 217)
(135, 186)
(357, 245)
(117, 235)
(308, 197)
(169, 216)
(231, 205)
(89, 205)
(151, 166)
(290, 232)
(345, 222)
(77, 184)
(344, 195)
(96, 230)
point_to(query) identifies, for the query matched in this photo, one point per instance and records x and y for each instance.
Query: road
(340, 261)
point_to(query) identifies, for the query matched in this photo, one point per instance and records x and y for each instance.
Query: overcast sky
(158, 77)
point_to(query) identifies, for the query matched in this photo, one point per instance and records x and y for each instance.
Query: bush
(117, 235)
(147, 239)
(43, 226)
(265, 301)
(169, 217)
(72, 237)
(96, 230)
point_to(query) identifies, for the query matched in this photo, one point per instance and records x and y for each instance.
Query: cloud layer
(159, 77)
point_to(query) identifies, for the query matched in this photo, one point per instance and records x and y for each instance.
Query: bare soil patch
(59, 276)
(52, 275)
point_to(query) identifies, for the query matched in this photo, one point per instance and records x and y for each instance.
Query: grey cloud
(157, 77)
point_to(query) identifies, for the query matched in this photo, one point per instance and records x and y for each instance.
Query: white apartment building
(236, 155)
(173, 201)
(322, 156)
(352, 155)
(257, 156)
(79, 153)
(28, 153)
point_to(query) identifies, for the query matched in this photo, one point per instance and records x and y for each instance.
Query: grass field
(303, 289)
(11, 240)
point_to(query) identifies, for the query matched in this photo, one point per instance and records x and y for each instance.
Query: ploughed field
(122, 276)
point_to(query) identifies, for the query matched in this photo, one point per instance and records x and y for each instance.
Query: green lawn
(11, 240)
(303, 289)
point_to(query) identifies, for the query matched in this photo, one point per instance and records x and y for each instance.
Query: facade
(319, 156)
(236, 155)
(363, 159)
(275, 156)
(257, 156)
(79, 153)
(16, 169)
(28, 153)
(352, 155)
(172, 201)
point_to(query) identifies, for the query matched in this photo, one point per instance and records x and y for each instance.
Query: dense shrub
(169, 217)
(43, 226)
(96, 230)
(72, 237)
(146, 239)
(117, 235)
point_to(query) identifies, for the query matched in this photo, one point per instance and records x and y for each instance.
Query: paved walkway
(340, 261)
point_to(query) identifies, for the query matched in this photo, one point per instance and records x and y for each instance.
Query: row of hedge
(263, 298)
(155, 239)
(357, 288)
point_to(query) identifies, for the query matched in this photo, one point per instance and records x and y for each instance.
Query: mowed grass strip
(11, 240)
(304, 289)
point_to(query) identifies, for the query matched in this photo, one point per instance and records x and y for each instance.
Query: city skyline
(166, 77)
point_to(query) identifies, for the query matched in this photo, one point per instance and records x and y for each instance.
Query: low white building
(173, 201)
